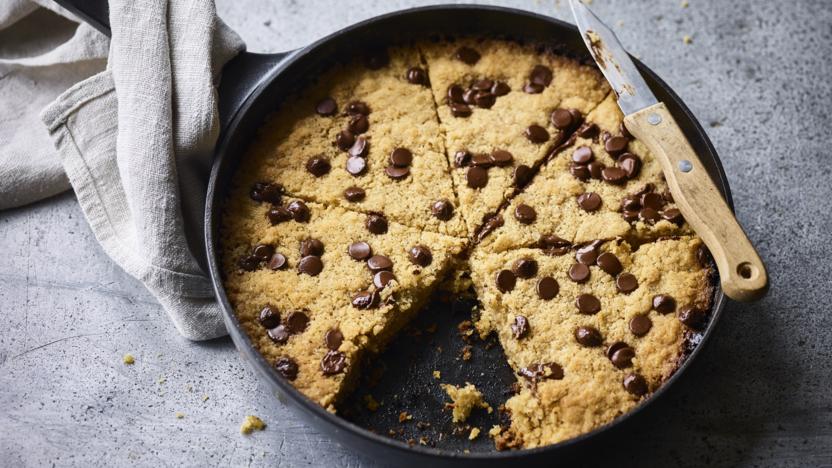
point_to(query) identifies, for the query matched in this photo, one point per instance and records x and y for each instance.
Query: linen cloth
(134, 140)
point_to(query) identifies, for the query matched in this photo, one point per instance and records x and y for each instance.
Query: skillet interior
(296, 71)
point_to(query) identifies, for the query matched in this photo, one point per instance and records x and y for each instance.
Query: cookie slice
(365, 137)
(604, 185)
(316, 286)
(503, 107)
(589, 332)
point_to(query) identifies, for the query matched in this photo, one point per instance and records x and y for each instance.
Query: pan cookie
(394, 174)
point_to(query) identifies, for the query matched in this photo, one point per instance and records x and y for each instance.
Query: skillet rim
(242, 342)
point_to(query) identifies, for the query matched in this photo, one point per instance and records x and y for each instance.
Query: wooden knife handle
(742, 273)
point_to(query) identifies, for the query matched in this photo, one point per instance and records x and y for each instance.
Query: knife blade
(615, 63)
(742, 273)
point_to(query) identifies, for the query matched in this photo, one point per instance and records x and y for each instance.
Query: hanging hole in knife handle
(741, 271)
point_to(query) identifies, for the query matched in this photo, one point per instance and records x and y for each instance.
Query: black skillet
(253, 85)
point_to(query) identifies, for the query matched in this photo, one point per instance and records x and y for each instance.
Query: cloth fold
(135, 142)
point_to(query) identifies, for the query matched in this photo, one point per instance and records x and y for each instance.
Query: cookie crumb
(371, 403)
(687, 39)
(128, 359)
(204, 397)
(475, 432)
(437, 375)
(464, 399)
(179, 415)
(252, 423)
(495, 430)
(403, 416)
(685, 4)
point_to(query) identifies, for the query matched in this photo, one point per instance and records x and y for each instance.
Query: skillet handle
(241, 76)
(95, 12)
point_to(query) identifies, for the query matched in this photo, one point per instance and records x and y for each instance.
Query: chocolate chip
(460, 109)
(554, 245)
(614, 175)
(310, 265)
(587, 304)
(462, 158)
(524, 268)
(267, 192)
(649, 215)
(397, 173)
(500, 88)
(376, 223)
(616, 145)
(501, 157)
(263, 252)
(279, 334)
(652, 200)
(269, 317)
(630, 203)
(344, 140)
(476, 177)
(358, 108)
(383, 277)
(578, 272)
(589, 201)
(401, 157)
(360, 148)
(467, 55)
(525, 214)
(311, 247)
(490, 224)
(333, 339)
(442, 209)
(596, 169)
(520, 327)
(664, 304)
(635, 384)
(482, 85)
(562, 119)
(693, 318)
(326, 106)
(521, 175)
(535, 372)
(626, 283)
(533, 88)
(588, 253)
(277, 262)
(365, 300)
(420, 255)
(673, 215)
(470, 96)
(668, 197)
(485, 100)
(640, 324)
(611, 349)
(300, 212)
(359, 250)
(482, 160)
(547, 288)
(622, 129)
(630, 164)
(577, 117)
(622, 356)
(358, 124)
(587, 130)
(582, 155)
(356, 165)
(588, 336)
(278, 214)
(703, 256)
(579, 171)
(296, 322)
(648, 187)
(248, 263)
(505, 281)
(286, 367)
(333, 362)
(376, 59)
(609, 263)
(455, 93)
(417, 75)
(541, 75)
(379, 262)
(354, 194)
(536, 134)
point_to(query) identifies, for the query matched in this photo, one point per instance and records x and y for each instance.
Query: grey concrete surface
(757, 74)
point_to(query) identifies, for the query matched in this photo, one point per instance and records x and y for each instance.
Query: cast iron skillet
(254, 84)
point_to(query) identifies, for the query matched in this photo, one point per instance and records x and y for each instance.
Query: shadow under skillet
(402, 379)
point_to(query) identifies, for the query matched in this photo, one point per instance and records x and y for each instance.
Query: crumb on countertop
(687, 39)
(179, 415)
(437, 375)
(252, 423)
(128, 359)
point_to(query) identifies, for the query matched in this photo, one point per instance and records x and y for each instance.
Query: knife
(742, 274)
